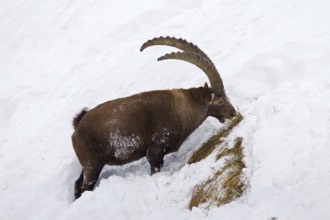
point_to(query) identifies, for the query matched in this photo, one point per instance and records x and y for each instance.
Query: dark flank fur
(78, 117)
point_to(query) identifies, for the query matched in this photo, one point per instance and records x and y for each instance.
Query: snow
(58, 57)
(123, 145)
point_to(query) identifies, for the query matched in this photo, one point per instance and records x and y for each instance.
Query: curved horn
(187, 47)
(174, 42)
(204, 64)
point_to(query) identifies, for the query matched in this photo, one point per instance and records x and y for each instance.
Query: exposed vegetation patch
(226, 184)
(207, 148)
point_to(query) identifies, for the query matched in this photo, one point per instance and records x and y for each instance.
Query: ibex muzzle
(150, 124)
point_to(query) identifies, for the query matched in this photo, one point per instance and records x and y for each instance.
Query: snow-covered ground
(57, 57)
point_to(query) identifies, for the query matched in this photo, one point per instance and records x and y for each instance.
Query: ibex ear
(206, 85)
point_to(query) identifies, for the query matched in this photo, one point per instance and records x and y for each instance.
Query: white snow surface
(57, 57)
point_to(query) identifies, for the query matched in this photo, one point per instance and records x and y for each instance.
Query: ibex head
(220, 106)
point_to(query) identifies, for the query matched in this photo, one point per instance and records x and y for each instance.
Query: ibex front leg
(155, 157)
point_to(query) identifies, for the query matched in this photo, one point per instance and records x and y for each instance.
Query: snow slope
(57, 57)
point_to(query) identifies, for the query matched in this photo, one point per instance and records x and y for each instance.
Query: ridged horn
(180, 43)
(204, 64)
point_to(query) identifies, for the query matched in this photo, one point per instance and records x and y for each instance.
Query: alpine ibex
(150, 124)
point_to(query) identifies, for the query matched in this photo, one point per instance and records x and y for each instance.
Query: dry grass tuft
(207, 148)
(227, 184)
(237, 150)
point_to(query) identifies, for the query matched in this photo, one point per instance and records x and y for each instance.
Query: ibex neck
(193, 107)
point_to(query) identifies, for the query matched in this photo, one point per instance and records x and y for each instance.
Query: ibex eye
(221, 102)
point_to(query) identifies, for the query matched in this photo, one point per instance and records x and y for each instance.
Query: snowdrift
(57, 57)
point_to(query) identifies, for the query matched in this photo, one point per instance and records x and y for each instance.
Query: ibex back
(150, 124)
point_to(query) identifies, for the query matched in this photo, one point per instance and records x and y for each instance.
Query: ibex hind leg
(87, 179)
(78, 185)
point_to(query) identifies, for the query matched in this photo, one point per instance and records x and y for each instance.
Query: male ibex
(149, 124)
